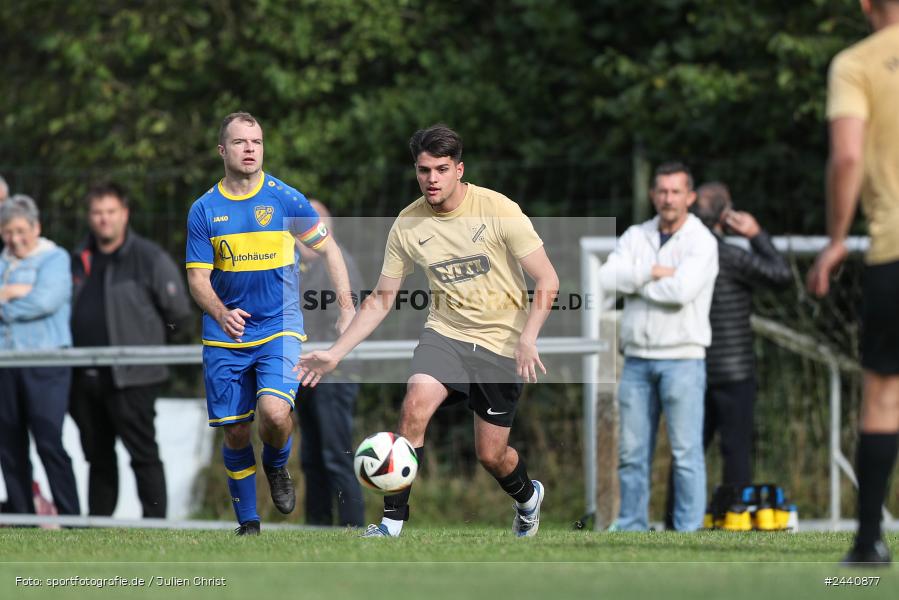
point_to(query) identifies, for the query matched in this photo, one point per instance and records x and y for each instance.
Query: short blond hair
(235, 116)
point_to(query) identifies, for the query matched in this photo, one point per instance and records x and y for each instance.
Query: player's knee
(426, 388)
(413, 408)
(417, 409)
(237, 436)
(423, 395)
(269, 420)
(274, 414)
(491, 459)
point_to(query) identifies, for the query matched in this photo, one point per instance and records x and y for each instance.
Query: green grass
(435, 563)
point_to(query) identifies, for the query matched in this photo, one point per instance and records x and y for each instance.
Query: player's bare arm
(546, 288)
(844, 182)
(231, 321)
(315, 365)
(340, 279)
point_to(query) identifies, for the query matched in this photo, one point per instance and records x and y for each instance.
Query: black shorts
(470, 372)
(880, 321)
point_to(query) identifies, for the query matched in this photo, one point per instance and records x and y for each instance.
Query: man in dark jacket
(730, 360)
(127, 292)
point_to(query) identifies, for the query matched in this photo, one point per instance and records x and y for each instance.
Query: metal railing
(192, 354)
(588, 346)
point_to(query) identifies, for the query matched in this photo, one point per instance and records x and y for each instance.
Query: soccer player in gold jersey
(863, 111)
(480, 340)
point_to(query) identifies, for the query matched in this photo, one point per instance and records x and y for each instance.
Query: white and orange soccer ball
(385, 463)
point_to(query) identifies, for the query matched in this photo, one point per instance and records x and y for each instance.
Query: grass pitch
(431, 563)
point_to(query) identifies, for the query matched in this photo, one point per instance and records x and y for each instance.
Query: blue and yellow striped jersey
(248, 243)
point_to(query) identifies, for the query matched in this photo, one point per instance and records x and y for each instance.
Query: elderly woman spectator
(35, 298)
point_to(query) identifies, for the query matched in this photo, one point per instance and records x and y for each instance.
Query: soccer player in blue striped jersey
(242, 263)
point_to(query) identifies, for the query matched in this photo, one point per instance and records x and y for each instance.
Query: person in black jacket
(127, 291)
(730, 360)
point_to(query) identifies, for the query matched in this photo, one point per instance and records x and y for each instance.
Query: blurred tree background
(559, 101)
(553, 98)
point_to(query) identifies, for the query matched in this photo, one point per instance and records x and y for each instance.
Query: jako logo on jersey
(460, 269)
(220, 219)
(264, 214)
(227, 254)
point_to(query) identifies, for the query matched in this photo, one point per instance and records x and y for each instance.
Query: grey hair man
(730, 359)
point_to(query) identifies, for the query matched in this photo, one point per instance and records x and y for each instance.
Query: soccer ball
(385, 463)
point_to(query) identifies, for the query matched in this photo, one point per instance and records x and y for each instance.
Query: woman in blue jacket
(35, 299)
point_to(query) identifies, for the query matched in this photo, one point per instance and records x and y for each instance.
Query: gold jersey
(471, 259)
(864, 83)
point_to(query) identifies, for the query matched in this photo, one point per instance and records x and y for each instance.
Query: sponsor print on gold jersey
(457, 270)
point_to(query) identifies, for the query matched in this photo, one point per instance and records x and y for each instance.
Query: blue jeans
(647, 388)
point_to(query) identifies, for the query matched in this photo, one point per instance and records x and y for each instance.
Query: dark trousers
(729, 411)
(326, 453)
(104, 413)
(35, 399)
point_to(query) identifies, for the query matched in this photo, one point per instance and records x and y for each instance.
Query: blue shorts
(236, 377)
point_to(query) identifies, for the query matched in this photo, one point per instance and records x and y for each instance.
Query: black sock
(517, 483)
(397, 506)
(874, 463)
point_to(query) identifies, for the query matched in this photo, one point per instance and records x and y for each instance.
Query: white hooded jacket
(667, 318)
